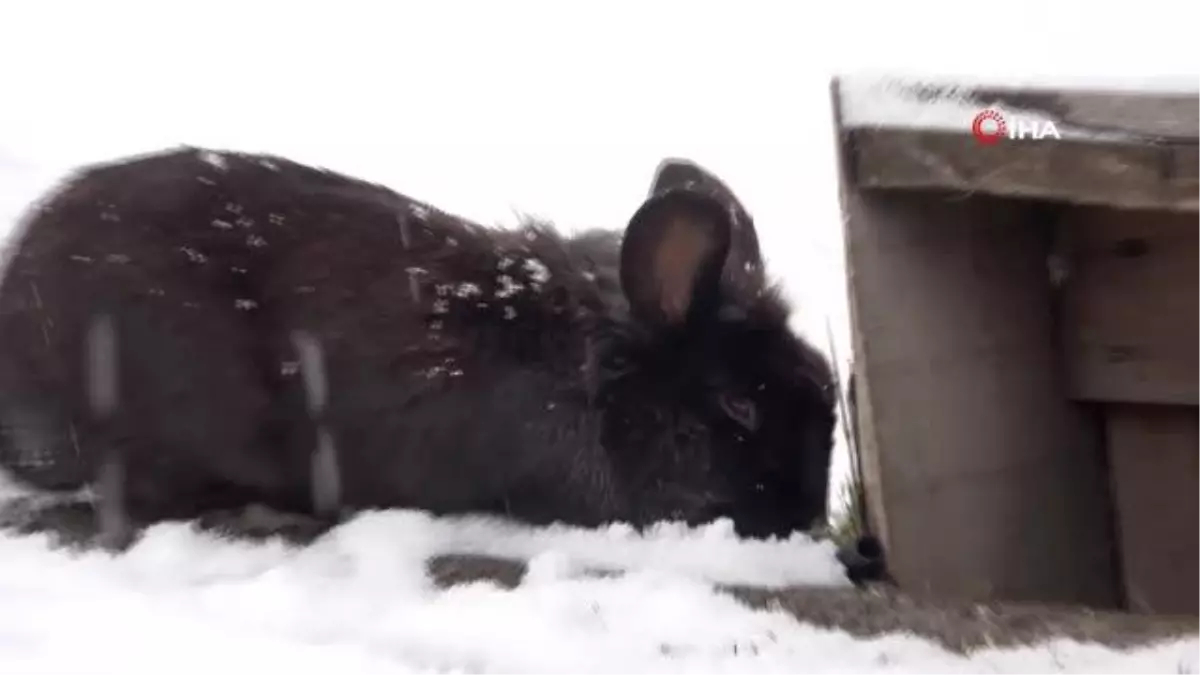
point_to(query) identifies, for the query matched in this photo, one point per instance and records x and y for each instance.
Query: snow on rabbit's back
(195, 331)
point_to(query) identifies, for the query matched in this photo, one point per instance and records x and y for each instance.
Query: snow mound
(711, 553)
(359, 601)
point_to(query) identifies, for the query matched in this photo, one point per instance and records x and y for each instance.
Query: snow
(360, 601)
(215, 159)
(1148, 83)
(896, 101)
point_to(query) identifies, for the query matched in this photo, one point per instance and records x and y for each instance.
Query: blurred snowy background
(487, 109)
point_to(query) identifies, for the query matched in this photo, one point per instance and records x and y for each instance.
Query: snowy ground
(360, 602)
(483, 109)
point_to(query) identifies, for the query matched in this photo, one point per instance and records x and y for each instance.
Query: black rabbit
(197, 332)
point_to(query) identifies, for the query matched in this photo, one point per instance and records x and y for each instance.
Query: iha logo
(990, 126)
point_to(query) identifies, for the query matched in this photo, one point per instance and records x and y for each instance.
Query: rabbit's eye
(740, 409)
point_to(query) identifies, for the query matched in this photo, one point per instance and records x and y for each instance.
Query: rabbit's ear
(674, 173)
(743, 273)
(672, 255)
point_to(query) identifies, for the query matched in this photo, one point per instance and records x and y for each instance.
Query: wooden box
(1024, 315)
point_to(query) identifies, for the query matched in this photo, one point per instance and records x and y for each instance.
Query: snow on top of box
(1148, 84)
(951, 103)
(885, 102)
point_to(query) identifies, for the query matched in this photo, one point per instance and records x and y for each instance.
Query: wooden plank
(1128, 149)
(1154, 465)
(1128, 175)
(1145, 114)
(982, 479)
(1131, 305)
